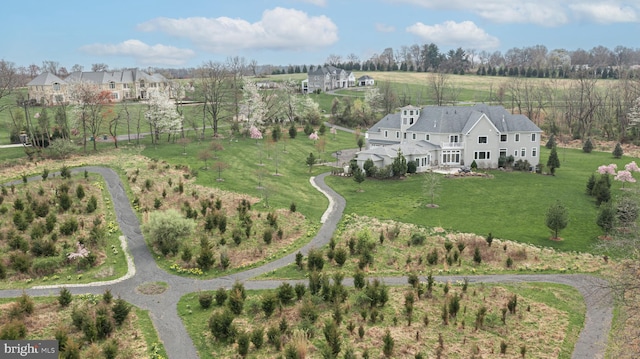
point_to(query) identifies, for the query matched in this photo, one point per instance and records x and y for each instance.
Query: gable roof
(45, 78)
(414, 148)
(105, 77)
(460, 119)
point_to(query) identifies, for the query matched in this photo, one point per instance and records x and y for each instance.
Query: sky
(187, 33)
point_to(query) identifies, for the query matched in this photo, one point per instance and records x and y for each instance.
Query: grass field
(511, 205)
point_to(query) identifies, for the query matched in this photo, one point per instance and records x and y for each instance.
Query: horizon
(297, 32)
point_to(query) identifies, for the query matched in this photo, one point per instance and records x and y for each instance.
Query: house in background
(48, 89)
(327, 78)
(452, 136)
(365, 80)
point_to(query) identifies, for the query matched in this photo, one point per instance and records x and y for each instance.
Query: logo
(31, 349)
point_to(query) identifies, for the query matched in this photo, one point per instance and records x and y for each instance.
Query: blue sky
(189, 32)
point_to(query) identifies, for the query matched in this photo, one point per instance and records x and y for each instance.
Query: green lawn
(512, 205)
(252, 164)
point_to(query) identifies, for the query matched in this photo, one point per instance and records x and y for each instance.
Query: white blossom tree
(255, 108)
(162, 114)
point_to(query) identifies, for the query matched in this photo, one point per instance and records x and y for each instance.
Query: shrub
(388, 344)
(588, 146)
(477, 258)
(257, 337)
(489, 239)
(340, 256)
(432, 257)
(300, 290)
(221, 326)
(418, 239)
(120, 311)
(286, 293)
(14, 330)
(243, 344)
(104, 325)
(110, 349)
(20, 262)
(235, 301)
(69, 226)
(205, 300)
(80, 192)
(268, 304)
(221, 296)
(315, 260)
(92, 204)
(274, 337)
(267, 236)
(165, 228)
(64, 200)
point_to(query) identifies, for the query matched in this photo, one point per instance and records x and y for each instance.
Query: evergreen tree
(557, 218)
(551, 143)
(588, 146)
(553, 162)
(618, 152)
(606, 217)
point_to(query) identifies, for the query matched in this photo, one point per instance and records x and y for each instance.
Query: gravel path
(591, 343)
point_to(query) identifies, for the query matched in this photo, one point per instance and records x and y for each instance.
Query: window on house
(404, 135)
(453, 138)
(534, 152)
(482, 139)
(533, 137)
(112, 85)
(142, 83)
(126, 86)
(414, 136)
(56, 86)
(114, 95)
(405, 112)
(411, 121)
(503, 138)
(523, 152)
(386, 134)
(482, 155)
(426, 137)
(397, 134)
(517, 137)
(503, 152)
(515, 153)
(411, 112)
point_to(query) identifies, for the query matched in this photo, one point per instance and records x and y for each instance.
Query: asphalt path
(163, 307)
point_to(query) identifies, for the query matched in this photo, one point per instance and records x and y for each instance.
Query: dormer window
(112, 85)
(56, 86)
(411, 112)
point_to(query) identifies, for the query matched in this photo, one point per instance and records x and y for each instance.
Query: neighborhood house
(329, 78)
(452, 137)
(48, 89)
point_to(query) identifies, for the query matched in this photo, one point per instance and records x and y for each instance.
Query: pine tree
(618, 152)
(553, 162)
(588, 146)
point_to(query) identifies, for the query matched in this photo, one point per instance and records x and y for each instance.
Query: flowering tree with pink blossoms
(624, 176)
(255, 133)
(314, 136)
(608, 169)
(632, 167)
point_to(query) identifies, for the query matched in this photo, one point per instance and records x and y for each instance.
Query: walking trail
(163, 307)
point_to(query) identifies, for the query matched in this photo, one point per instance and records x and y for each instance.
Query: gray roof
(392, 121)
(126, 76)
(45, 78)
(460, 119)
(414, 148)
(365, 77)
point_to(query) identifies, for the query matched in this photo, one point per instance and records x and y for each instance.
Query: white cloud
(143, 53)
(605, 13)
(450, 33)
(384, 28)
(315, 2)
(540, 12)
(278, 29)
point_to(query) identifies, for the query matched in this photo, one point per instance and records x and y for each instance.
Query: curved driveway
(163, 308)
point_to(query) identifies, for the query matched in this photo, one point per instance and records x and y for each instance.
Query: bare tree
(334, 59)
(99, 67)
(77, 68)
(237, 67)
(214, 88)
(443, 89)
(8, 82)
(89, 103)
(50, 66)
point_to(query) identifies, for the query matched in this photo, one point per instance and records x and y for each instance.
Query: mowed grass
(253, 164)
(511, 205)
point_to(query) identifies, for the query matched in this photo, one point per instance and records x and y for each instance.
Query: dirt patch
(152, 288)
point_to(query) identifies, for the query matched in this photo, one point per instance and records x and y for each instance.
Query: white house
(327, 78)
(365, 80)
(452, 136)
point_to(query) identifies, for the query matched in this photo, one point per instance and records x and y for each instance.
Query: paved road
(591, 343)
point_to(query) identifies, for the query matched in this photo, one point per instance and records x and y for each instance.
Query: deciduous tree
(557, 218)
